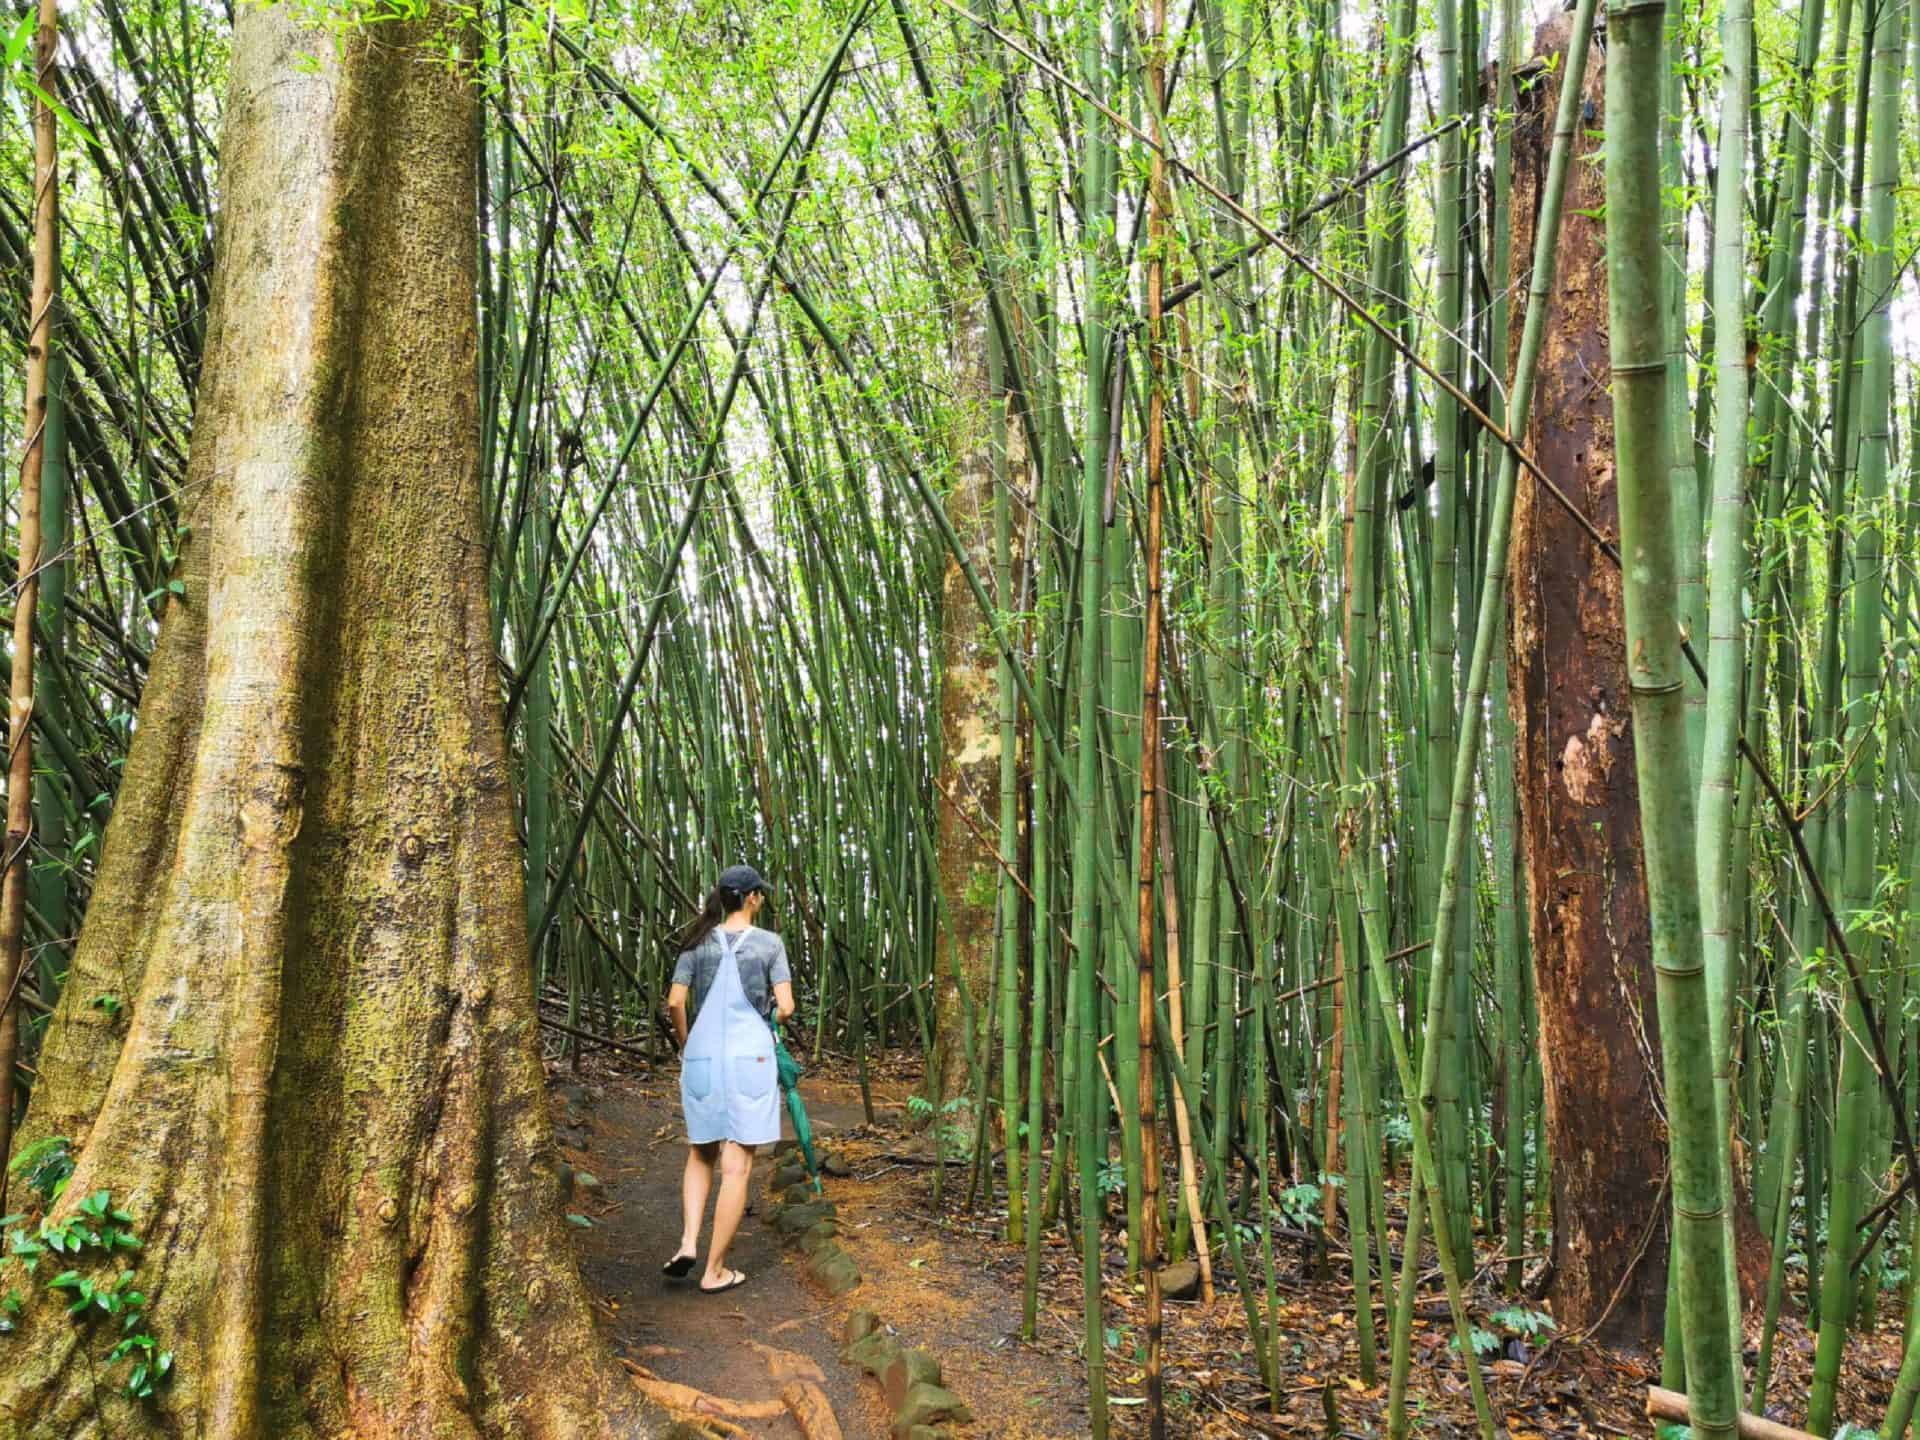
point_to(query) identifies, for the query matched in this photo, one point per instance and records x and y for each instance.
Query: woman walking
(737, 978)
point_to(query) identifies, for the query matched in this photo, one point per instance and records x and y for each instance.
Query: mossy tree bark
(970, 739)
(322, 1101)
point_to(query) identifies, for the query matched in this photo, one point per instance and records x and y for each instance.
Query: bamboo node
(1685, 1214)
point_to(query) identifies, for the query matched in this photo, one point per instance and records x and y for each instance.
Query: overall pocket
(753, 1076)
(696, 1077)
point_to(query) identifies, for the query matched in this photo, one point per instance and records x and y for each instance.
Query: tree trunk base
(318, 1093)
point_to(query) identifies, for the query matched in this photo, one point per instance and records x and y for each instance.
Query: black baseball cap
(743, 880)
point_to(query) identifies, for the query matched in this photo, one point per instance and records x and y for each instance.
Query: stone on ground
(818, 1236)
(787, 1175)
(927, 1405)
(872, 1352)
(798, 1219)
(834, 1269)
(906, 1370)
(1180, 1281)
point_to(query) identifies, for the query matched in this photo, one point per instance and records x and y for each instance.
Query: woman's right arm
(780, 975)
(677, 997)
(677, 1008)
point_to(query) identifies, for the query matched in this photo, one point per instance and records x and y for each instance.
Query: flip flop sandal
(678, 1268)
(739, 1279)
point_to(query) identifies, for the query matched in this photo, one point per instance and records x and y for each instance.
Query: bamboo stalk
(1154, 24)
(20, 715)
(1726, 661)
(1852, 1104)
(1636, 67)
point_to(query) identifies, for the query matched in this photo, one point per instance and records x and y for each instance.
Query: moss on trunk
(968, 798)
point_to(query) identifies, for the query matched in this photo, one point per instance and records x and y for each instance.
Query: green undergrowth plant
(1300, 1204)
(1511, 1321)
(1518, 1320)
(96, 1247)
(950, 1135)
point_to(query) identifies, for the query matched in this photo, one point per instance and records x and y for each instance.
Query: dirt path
(940, 1280)
(631, 1141)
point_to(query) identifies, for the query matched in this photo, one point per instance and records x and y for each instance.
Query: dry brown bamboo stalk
(1176, 1007)
(1672, 1405)
(13, 891)
(1336, 1079)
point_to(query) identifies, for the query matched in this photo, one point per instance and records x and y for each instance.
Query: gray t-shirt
(763, 964)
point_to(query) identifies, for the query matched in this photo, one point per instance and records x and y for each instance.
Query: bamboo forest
(1211, 704)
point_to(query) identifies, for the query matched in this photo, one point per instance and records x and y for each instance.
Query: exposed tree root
(698, 1406)
(807, 1403)
(801, 1398)
(785, 1365)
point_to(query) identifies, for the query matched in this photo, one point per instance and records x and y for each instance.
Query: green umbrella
(790, 1072)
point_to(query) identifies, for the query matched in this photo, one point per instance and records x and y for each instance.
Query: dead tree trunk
(321, 1101)
(1579, 804)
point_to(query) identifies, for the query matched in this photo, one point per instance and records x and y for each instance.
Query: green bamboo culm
(1502, 795)
(1773, 1184)
(1855, 1100)
(1906, 1386)
(1727, 656)
(1359, 683)
(1090, 1139)
(53, 793)
(1636, 72)
(1446, 1037)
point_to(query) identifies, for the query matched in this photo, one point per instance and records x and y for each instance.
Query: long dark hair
(722, 901)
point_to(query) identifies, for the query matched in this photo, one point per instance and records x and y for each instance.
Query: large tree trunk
(967, 805)
(322, 1103)
(1579, 805)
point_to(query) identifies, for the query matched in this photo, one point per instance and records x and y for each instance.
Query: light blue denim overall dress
(728, 1083)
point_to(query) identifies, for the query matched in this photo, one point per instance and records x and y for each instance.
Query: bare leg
(695, 1186)
(736, 1168)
